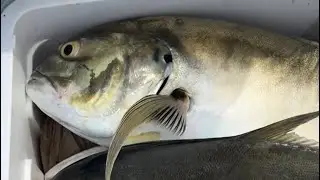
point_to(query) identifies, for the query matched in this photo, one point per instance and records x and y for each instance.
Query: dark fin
(167, 111)
(279, 131)
(295, 139)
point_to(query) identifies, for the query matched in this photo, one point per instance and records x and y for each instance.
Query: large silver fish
(239, 78)
(272, 152)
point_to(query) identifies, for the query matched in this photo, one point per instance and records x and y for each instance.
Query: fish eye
(67, 49)
(70, 49)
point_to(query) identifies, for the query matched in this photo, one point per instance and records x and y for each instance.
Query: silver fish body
(239, 78)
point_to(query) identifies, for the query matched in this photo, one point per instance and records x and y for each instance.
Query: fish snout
(39, 84)
(38, 79)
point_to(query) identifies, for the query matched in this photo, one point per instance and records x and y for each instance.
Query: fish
(238, 77)
(270, 152)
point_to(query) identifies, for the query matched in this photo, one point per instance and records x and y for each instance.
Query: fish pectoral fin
(167, 111)
(279, 131)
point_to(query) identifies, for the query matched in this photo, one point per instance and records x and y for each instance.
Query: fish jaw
(40, 87)
(97, 129)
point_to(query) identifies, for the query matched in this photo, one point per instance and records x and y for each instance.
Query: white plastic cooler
(26, 22)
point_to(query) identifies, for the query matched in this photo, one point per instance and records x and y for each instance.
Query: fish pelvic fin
(279, 132)
(168, 111)
(142, 137)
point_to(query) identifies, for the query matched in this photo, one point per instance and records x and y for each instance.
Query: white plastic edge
(9, 17)
(31, 170)
(71, 160)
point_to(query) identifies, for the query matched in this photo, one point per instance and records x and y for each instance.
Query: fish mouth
(39, 81)
(38, 76)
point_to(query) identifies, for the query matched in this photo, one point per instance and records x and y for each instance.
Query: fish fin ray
(294, 139)
(151, 108)
(280, 131)
(169, 115)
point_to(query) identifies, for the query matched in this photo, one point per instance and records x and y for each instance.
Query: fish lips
(40, 85)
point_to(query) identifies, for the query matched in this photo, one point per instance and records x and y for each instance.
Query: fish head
(99, 75)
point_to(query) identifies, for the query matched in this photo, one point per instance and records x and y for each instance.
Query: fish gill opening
(168, 59)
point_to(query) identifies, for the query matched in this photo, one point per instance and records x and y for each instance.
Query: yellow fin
(143, 137)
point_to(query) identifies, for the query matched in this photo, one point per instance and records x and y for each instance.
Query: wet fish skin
(239, 77)
(199, 159)
(234, 73)
(217, 160)
(266, 153)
